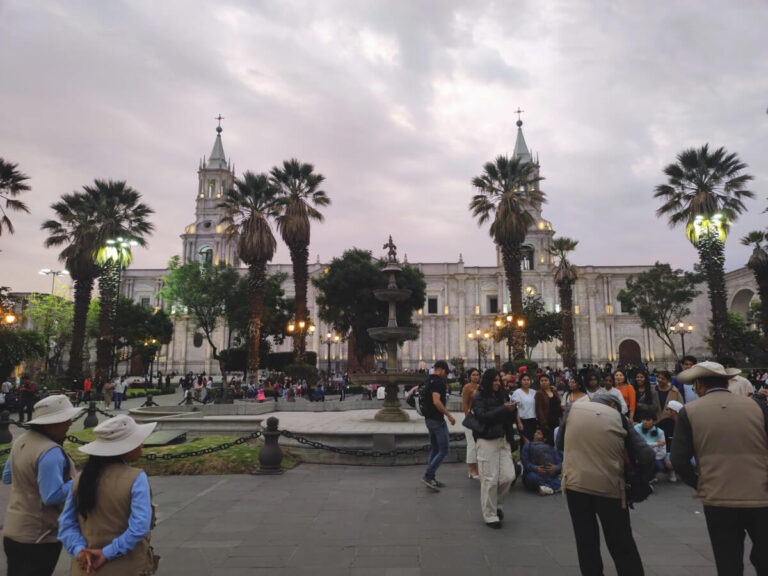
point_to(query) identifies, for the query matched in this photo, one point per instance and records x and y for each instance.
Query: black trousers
(585, 510)
(529, 427)
(31, 559)
(25, 406)
(726, 527)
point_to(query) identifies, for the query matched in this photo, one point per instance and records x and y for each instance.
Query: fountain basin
(391, 294)
(394, 333)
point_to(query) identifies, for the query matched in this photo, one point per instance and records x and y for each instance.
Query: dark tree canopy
(345, 297)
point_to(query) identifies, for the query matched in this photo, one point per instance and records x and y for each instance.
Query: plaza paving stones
(366, 521)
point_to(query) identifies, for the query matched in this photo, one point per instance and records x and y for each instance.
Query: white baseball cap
(674, 405)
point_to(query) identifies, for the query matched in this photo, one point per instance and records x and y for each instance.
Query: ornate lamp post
(53, 274)
(329, 339)
(301, 328)
(508, 323)
(682, 328)
(478, 335)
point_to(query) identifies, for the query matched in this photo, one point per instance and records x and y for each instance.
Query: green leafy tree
(52, 316)
(200, 292)
(758, 263)
(345, 298)
(16, 346)
(705, 190)
(12, 183)
(74, 228)
(660, 297)
(565, 277)
(748, 344)
(249, 207)
(540, 325)
(300, 197)
(507, 192)
(141, 331)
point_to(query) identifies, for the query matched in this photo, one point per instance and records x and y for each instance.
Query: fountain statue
(392, 335)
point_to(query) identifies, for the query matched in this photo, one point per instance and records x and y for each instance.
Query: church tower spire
(204, 240)
(521, 148)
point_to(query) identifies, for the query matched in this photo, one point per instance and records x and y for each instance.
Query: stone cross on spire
(219, 118)
(518, 112)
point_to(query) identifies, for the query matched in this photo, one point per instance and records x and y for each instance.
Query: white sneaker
(546, 490)
(672, 476)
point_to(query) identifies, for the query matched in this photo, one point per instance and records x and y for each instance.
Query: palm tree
(300, 197)
(758, 263)
(706, 191)
(12, 183)
(74, 228)
(120, 222)
(565, 277)
(248, 207)
(507, 192)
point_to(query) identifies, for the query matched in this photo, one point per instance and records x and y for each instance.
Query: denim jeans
(439, 439)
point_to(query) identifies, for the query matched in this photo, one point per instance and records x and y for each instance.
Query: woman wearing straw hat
(40, 474)
(108, 516)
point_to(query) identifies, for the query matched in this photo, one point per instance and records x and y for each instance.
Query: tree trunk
(109, 282)
(300, 259)
(712, 259)
(512, 257)
(257, 280)
(569, 339)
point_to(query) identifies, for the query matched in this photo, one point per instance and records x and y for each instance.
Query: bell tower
(204, 240)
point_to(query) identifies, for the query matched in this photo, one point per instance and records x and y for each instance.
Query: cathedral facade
(460, 298)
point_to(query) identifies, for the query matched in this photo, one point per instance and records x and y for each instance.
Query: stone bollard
(91, 420)
(271, 456)
(5, 421)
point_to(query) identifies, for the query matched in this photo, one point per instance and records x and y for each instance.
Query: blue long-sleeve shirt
(138, 523)
(530, 467)
(51, 468)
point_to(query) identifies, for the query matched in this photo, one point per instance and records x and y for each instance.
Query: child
(655, 438)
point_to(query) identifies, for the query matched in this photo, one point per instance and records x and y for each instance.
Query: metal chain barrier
(202, 451)
(100, 411)
(361, 452)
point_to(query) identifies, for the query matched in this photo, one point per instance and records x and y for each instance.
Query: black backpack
(417, 398)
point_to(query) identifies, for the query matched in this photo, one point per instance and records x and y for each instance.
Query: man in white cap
(40, 474)
(728, 436)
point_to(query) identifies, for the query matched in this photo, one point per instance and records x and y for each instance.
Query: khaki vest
(593, 461)
(27, 519)
(731, 449)
(109, 519)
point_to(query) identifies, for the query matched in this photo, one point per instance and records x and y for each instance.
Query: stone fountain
(392, 335)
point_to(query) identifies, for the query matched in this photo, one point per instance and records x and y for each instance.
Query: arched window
(526, 262)
(205, 256)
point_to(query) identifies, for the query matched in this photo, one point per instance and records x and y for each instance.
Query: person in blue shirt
(542, 465)
(40, 474)
(108, 515)
(686, 390)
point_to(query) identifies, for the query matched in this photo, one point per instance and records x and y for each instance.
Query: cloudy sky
(398, 103)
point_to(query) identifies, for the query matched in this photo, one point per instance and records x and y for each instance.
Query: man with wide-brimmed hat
(727, 434)
(40, 474)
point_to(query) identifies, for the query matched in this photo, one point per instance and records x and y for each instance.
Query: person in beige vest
(595, 437)
(40, 474)
(106, 522)
(727, 434)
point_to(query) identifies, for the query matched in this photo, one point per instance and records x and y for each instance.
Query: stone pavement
(365, 521)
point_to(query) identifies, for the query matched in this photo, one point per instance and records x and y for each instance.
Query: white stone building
(459, 297)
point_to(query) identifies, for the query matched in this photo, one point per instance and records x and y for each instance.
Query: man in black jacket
(435, 413)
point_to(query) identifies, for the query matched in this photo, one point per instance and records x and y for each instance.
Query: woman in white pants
(467, 393)
(494, 440)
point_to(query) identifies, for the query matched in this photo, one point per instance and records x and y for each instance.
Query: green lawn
(239, 459)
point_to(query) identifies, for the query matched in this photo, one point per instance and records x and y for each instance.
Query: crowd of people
(603, 437)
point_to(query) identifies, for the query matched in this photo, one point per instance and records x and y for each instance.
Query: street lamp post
(682, 328)
(478, 335)
(300, 328)
(329, 339)
(47, 328)
(510, 322)
(53, 274)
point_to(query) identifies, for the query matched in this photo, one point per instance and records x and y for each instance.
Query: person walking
(109, 392)
(40, 474)
(435, 414)
(467, 394)
(494, 446)
(120, 387)
(108, 515)
(594, 438)
(27, 395)
(727, 434)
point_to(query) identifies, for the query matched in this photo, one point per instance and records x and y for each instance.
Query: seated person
(654, 437)
(541, 465)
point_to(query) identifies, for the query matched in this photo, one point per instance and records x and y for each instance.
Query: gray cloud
(398, 103)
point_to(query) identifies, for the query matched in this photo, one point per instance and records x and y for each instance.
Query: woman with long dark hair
(627, 391)
(548, 408)
(108, 515)
(646, 400)
(494, 440)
